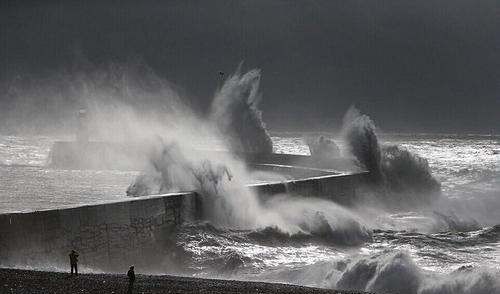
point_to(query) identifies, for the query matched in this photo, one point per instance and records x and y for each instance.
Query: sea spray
(406, 171)
(218, 178)
(111, 92)
(130, 102)
(176, 164)
(359, 132)
(236, 114)
(403, 178)
(228, 203)
(321, 219)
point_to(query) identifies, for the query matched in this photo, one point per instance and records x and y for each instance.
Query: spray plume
(404, 176)
(220, 178)
(235, 112)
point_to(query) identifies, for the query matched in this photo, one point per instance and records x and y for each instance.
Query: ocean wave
(319, 219)
(480, 281)
(398, 273)
(324, 234)
(490, 234)
(444, 241)
(393, 273)
(401, 178)
(388, 272)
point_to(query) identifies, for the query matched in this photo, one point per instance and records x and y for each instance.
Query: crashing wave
(398, 273)
(393, 273)
(235, 112)
(319, 219)
(405, 176)
(465, 281)
(387, 272)
(362, 140)
(228, 203)
(405, 171)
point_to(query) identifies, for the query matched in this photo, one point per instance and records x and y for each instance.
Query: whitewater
(452, 247)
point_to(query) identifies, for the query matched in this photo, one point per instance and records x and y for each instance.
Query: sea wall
(340, 188)
(109, 236)
(112, 235)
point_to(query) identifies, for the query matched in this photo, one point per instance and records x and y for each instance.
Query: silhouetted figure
(73, 260)
(131, 279)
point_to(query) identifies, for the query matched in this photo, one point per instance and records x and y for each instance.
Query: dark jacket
(73, 257)
(131, 275)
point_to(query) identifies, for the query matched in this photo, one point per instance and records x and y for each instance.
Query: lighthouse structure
(82, 129)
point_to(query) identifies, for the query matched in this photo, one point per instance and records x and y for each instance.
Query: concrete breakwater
(112, 235)
(339, 188)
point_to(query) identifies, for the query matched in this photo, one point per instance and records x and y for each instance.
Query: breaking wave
(320, 219)
(391, 272)
(398, 273)
(235, 112)
(359, 132)
(464, 281)
(405, 178)
(228, 203)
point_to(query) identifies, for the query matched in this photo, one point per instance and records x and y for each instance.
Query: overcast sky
(410, 65)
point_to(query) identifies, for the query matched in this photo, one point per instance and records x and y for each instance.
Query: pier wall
(108, 236)
(112, 235)
(339, 188)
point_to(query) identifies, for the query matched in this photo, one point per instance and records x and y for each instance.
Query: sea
(450, 246)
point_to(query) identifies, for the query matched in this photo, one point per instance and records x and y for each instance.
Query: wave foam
(404, 178)
(398, 273)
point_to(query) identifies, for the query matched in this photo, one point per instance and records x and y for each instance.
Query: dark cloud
(412, 65)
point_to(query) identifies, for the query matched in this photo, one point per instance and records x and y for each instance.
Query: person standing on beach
(131, 279)
(73, 260)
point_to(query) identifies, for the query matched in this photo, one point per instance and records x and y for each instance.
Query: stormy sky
(426, 66)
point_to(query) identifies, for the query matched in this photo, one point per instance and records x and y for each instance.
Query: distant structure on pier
(82, 131)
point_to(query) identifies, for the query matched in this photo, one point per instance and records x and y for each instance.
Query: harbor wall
(109, 236)
(112, 235)
(339, 188)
